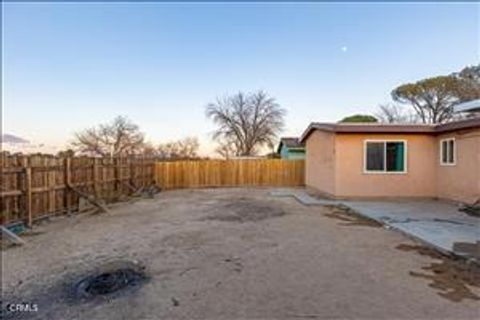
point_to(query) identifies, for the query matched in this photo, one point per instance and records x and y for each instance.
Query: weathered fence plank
(38, 185)
(230, 173)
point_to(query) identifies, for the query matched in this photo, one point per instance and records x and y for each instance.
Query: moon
(344, 49)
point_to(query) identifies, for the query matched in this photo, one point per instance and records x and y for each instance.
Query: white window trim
(448, 164)
(405, 157)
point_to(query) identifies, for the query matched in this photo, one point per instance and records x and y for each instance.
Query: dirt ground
(236, 254)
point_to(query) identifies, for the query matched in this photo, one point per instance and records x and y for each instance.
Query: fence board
(37, 185)
(230, 173)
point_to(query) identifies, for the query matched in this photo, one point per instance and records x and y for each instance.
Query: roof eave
(392, 129)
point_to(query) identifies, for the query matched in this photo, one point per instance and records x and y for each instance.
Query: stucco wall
(418, 181)
(320, 162)
(460, 182)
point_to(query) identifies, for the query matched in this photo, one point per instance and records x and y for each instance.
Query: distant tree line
(249, 123)
(122, 137)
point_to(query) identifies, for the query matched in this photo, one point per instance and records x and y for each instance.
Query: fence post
(142, 173)
(132, 172)
(51, 182)
(67, 183)
(117, 176)
(68, 171)
(95, 178)
(28, 192)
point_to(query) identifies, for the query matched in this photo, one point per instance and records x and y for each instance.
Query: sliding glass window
(385, 156)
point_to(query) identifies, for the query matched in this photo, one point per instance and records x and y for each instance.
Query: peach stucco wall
(461, 182)
(320, 162)
(335, 166)
(352, 181)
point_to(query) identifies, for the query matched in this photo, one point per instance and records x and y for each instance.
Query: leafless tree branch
(117, 138)
(247, 121)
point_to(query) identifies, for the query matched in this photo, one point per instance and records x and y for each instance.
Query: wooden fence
(229, 173)
(38, 185)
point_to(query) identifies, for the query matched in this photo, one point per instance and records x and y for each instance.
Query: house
(291, 149)
(352, 160)
(469, 106)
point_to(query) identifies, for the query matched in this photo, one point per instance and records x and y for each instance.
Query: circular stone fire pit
(110, 280)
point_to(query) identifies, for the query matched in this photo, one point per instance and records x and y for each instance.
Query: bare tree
(226, 149)
(249, 121)
(119, 137)
(181, 149)
(394, 113)
(148, 150)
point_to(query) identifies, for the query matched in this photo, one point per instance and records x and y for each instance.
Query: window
(447, 152)
(385, 156)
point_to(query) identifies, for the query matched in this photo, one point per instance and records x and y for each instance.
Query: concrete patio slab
(437, 223)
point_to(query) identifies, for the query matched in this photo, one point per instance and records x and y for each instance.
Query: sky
(74, 65)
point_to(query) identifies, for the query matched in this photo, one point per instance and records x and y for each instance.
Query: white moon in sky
(344, 48)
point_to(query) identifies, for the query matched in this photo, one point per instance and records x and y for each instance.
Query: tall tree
(118, 138)
(468, 84)
(249, 121)
(359, 118)
(432, 98)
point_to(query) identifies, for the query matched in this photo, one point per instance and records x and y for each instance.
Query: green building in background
(291, 149)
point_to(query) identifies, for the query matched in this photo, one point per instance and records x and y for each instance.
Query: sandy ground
(237, 254)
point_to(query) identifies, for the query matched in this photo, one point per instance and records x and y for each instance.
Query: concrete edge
(384, 224)
(443, 251)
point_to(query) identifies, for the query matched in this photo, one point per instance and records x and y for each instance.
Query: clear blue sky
(70, 66)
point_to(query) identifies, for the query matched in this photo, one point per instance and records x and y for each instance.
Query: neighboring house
(470, 106)
(394, 160)
(291, 149)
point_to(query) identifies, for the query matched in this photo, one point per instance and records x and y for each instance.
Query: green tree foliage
(359, 118)
(468, 86)
(433, 98)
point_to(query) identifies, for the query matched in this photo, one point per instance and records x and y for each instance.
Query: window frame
(384, 171)
(448, 164)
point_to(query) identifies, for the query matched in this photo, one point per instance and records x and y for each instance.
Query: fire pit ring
(110, 280)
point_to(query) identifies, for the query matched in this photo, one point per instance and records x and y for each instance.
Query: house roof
(290, 143)
(469, 106)
(391, 128)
